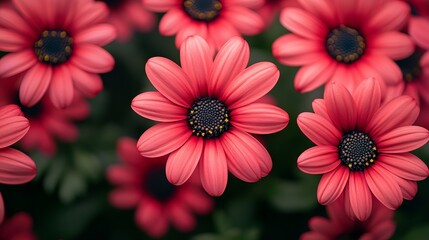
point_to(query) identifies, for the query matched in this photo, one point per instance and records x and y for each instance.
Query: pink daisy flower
(215, 20)
(344, 41)
(18, 227)
(363, 147)
(207, 110)
(126, 15)
(55, 47)
(142, 184)
(379, 225)
(15, 166)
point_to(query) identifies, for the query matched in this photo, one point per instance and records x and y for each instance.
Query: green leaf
(293, 196)
(421, 232)
(53, 174)
(72, 186)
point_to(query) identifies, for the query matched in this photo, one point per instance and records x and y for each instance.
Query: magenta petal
(15, 167)
(11, 41)
(182, 162)
(403, 139)
(34, 84)
(302, 23)
(383, 186)
(61, 91)
(12, 129)
(10, 110)
(393, 44)
(318, 129)
(405, 165)
(341, 107)
(408, 187)
(155, 106)
(293, 50)
(368, 100)
(244, 20)
(100, 34)
(415, 30)
(160, 5)
(392, 16)
(173, 21)
(124, 197)
(213, 168)
(14, 63)
(332, 184)
(319, 160)
(248, 159)
(92, 58)
(314, 75)
(89, 84)
(163, 138)
(319, 108)
(360, 196)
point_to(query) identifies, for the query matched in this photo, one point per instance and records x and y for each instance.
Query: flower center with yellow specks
(357, 151)
(410, 67)
(345, 44)
(202, 10)
(53, 47)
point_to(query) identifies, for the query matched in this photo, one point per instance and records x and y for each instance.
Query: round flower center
(345, 44)
(202, 10)
(53, 47)
(410, 66)
(357, 151)
(157, 185)
(208, 118)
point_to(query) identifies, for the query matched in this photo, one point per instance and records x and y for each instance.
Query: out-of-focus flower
(214, 20)
(18, 227)
(379, 225)
(207, 108)
(127, 15)
(344, 41)
(363, 147)
(271, 9)
(55, 45)
(142, 184)
(15, 166)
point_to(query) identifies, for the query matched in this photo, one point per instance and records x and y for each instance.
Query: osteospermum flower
(215, 20)
(126, 15)
(142, 184)
(18, 227)
(15, 166)
(363, 147)
(55, 46)
(379, 225)
(344, 41)
(207, 110)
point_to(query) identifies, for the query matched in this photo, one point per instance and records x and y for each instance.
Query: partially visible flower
(127, 15)
(18, 227)
(208, 110)
(142, 184)
(15, 166)
(338, 225)
(344, 41)
(214, 20)
(55, 46)
(363, 147)
(271, 9)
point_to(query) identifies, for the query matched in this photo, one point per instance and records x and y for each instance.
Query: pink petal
(89, 14)
(384, 187)
(15, 167)
(245, 20)
(213, 168)
(12, 129)
(198, 200)
(259, 118)
(416, 26)
(405, 165)
(121, 174)
(313, 235)
(220, 32)
(11, 41)
(32, 11)
(124, 197)
(391, 16)
(92, 58)
(163, 74)
(155, 106)
(389, 71)
(231, 59)
(322, 225)
(61, 89)
(14, 63)
(128, 152)
(321, 8)
(10, 110)
(100, 34)
(34, 84)
(196, 60)
(403, 139)
(160, 5)
(394, 45)
(181, 217)
(332, 184)
(368, 99)
(302, 23)
(151, 218)
(319, 108)
(248, 159)
(246, 3)
(318, 129)
(319, 160)
(182, 162)
(89, 84)
(193, 28)
(250, 84)
(383, 230)
(163, 138)
(10, 19)
(173, 21)
(408, 187)
(293, 50)
(314, 75)
(341, 107)
(401, 111)
(360, 196)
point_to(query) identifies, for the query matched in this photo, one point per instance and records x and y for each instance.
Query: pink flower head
(207, 109)
(379, 225)
(344, 41)
(126, 15)
(363, 147)
(15, 166)
(142, 184)
(18, 227)
(55, 47)
(215, 20)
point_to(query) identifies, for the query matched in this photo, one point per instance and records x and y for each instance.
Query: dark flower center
(53, 47)
(30, 112)
(157, 185)
(202, 10)
(357, 151)
(410, 66)
(112, 3)
(345, 44)
(208, 118)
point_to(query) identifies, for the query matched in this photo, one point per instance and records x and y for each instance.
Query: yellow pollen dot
(67, 49)
(210, 131)
(53, 33)
(350, 165)
(46, 58)
(367, 163)
(63, 34)
(374, 148)
(220, 127)
(371, 160)
(191, 123)
(203, 134)
(45, 33)
(192, 111)
(226, 120)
